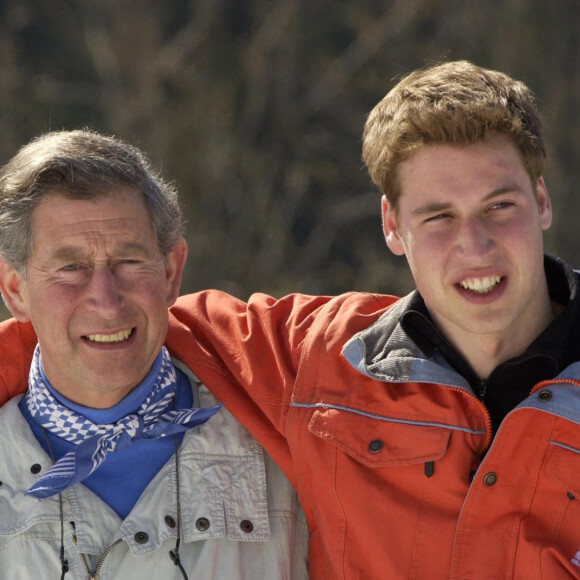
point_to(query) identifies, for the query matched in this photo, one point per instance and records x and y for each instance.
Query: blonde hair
(455, 103)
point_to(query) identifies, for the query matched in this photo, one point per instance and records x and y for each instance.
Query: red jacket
(382, 444)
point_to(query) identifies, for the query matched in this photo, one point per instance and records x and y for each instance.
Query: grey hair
(79, 164)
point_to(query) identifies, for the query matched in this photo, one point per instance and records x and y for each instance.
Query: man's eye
(438, 217)
(70, 267)
(502, 205)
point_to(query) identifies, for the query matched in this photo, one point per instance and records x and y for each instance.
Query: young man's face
(470, 224)
(97, 291)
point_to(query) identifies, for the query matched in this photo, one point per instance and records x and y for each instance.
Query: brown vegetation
(255, 108)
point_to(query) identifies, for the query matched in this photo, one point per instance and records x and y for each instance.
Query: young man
(151, 477)
(434, 436)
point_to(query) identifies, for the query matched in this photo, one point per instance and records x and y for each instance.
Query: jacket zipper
(549, 382)
(482, 407)
(482, 389)
(95, 574)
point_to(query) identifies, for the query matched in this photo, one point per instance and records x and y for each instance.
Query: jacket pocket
(564, 466)
(549, 534)
(377, 441)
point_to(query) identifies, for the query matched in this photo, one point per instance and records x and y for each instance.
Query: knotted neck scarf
(156, 417)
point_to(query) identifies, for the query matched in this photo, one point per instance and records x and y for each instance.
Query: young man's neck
(484, 352)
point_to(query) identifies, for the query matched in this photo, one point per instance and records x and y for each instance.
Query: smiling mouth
(481, 285)
(120, 336)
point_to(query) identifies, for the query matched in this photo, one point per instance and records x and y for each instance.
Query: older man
(150, 476)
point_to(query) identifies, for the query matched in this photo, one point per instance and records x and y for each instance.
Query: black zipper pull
(482, 389)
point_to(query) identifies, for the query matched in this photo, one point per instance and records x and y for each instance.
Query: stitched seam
(385, 418)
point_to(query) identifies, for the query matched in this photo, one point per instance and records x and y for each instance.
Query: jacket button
(247, 526)
(202, 524)
(375, 446)
(141, 538)
(35, 468)
(489, 478)
(544, 395)
(170, 522)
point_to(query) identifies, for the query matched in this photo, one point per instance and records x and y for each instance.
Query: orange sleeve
(17, 342)
(247, 355)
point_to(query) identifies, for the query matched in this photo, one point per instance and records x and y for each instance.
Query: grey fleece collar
(383, 351)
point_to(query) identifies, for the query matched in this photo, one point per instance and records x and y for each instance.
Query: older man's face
(97, 291)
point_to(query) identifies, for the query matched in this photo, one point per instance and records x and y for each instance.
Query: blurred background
(255, 109)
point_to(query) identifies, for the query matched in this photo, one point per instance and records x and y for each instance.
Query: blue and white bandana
(152, 420)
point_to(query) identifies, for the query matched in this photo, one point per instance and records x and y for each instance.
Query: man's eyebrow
(430, 208)
(66, 254)
(435, 207)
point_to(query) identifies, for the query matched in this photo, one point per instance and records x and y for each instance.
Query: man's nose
(104, 292)
(474, 238)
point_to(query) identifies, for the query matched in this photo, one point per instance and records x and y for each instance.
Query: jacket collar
(384, 351)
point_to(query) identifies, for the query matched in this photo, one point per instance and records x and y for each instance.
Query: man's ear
(390, 228)
(174, 264)
(14, 291)
(544, 204)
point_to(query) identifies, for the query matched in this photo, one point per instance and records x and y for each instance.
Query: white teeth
(117, 337)
(480, 285)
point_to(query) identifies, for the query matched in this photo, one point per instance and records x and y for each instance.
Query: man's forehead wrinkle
(73, 245)
(100, 224)
(75, 241)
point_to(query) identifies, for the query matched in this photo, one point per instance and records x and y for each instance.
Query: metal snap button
(202, 524)
(544, 395)
(247, 526)
(375, 446)
(170, 522)
(141, 538)
(489, 478)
